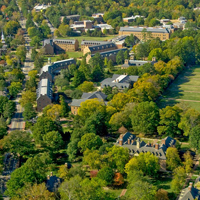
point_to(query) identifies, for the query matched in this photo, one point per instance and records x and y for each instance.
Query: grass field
(84, 37)
(186, 88)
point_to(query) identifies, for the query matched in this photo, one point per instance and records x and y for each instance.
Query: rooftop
(140, 29)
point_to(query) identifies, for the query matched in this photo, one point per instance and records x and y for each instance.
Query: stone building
(76, 103)
(136, 146)
(99, 48)
(139, 32)
(58, 46)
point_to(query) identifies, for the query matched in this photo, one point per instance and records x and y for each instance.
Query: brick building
(139, 32)
(136, 146)
(57, 46)
(99, 48)
(111, 55)
(89, 43)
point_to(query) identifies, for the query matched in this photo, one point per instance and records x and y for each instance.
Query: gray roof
(139, 29)
(143, 147)
(69, 41)
(110, 53)
(93, 42)
(120, 81)
(85, 96)
(72, 16)
(44, 88)
(186, 194)
(48, 41)
(102, 46)
(51, 68)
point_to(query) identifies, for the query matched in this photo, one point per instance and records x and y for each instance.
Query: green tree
(76, 94)
(145, 117)
(156, 53)
(33, 171)
(35, 41)
(79, 78)
(18, 142)
(145, 162)
(29, 112)
(11, 27)
(120, 57)
(106, 174)
(21, 53)
(27, 97)
(90, 141)
(169, 120)
(194, 138)
(173, 159)
(110, 65)
(86, 86)
(188, 162)
(15, 88)
(64, 106)
(178, 181)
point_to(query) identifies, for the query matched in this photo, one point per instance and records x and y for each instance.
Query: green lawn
(84, 37)
(186, 88)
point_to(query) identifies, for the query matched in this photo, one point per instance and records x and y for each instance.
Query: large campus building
(139, 32)
(89, 43)
(57, 46)
(47, 73)
(99, 48)
(136, 146)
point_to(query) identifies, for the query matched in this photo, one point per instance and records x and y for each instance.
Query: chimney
(153, 59)
(48, 177)
(189, 188)
(138, 143)
(51, 173)
(132, 141)
(148, 144)
(49, 60)
(118, 80)
(191, 184)
(163, 141)
(126, 61)
(66, 165)
(120, 142)
(156, 146)
(129, 141)
(132, 57)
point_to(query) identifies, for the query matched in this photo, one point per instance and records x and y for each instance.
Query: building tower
(3, 38)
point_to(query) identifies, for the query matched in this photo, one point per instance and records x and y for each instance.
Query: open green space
(186, 88)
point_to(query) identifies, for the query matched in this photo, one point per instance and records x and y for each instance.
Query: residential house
(71, 17)
(57, 46)
(41, 7)
(76, 103)
(98, 17)
(111, 55)
(139, 32)
(104, 26)
(119, 81)
(136, 146)
(82, 25)
(190, 193)
(44, 94)
(99, 48)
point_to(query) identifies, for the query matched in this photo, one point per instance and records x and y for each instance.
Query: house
(98, 17)
(99, 48)
(190, 193)
(132, 62)
(76, 103)
(89, 43)
(119, 81)
(139, 32)
(111, 55)
(132, 18)
(44, 94)
(57, 46)
(119, 41)
(71, 17)
(136, 146)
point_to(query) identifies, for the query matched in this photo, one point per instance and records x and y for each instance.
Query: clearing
(186, 88)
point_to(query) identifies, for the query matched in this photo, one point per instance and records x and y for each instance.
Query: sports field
(186, 88)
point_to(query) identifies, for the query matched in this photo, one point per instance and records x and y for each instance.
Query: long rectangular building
(139, 32)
